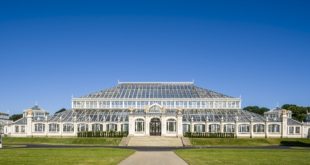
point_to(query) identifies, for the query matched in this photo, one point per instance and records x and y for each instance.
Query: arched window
(244, 128)
(53, 127)
(139, 125)
(68, 127)
(229, 128)
(199, 128)
(16, 129)
(214, 128)
(22, 129)
(186, 128)
(297, 130)
(97, 127)
(39, 127)
(112, 127)
(274, 128)
(171, 125)
(124, 128)
(82, 127)
(259, 128)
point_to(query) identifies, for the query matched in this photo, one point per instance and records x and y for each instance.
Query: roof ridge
(157, 82)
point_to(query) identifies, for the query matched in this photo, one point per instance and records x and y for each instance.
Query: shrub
(208, 135)
(102, 134)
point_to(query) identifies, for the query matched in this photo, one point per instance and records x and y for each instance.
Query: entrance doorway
(155, 127)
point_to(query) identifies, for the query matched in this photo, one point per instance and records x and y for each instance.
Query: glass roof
(195, 115)
(156, 90)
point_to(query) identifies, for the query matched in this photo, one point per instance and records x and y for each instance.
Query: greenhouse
(157, 109)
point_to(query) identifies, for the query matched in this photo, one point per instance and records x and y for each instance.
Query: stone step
(186, 141)
(124, 141)
(153, 141)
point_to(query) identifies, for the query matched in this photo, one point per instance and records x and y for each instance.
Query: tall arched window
(199, 128)
(39, 127)
(214, 128)
(124, 128)
(274, 128)
(244, 128)
(68, 127)
(229, 128)
(82, 127)
(112, 127)
(186, 128)
(97, 127)
(259, 128)
(171, 125)
(53, 127)
(139, 125)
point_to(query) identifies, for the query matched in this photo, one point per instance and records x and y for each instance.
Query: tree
(16, 117)
(61, 110)
(256, 109)
(298, 112)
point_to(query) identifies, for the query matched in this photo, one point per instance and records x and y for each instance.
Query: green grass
(62, 156)
(243, 142)
(245, 156)
(66, 141)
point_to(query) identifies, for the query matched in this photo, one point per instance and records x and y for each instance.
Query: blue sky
(51, 50)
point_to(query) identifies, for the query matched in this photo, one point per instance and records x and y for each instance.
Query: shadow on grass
(294, 143)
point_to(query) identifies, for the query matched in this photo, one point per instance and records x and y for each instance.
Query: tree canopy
(298, 112)
(256, 109)
(16, 117)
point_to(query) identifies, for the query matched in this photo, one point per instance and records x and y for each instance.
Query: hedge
(209, 135)
(102, 134)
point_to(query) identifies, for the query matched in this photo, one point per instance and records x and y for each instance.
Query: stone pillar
(119, 129)
(90, 128)
(192, 125)
(60, 126)
(119, 124)
(237, 127)
(251, 127)
(266, 128)
(284, 124)
(302, 130)
(222, 125)
(179, 124)
(131, 125)
(104, 126)
(163, 126)
(29, 124)
(206, 125)
(147, 125)
(74, 126)
(46, 126)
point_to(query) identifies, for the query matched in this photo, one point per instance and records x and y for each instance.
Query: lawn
(246, 141)
(66, 141)
(245, 156)
(62, 156)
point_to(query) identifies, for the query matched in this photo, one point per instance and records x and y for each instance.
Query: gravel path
(153, 158)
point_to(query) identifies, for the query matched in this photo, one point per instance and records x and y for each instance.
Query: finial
(278, 106)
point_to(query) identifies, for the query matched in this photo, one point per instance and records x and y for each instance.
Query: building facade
(158, 109)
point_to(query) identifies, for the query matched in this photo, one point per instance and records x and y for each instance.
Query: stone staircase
(186, 142)
(154, 141)
(125, 141)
